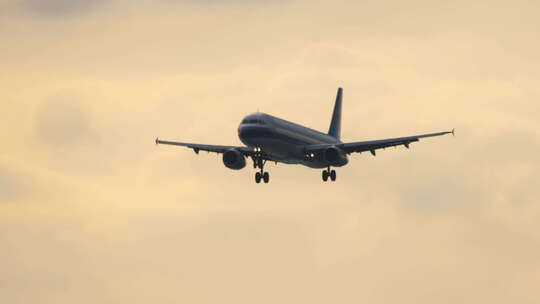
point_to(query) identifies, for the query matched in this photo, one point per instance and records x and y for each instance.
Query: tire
(333, 175)
(324, 175)
(258, 177)
(266, 177)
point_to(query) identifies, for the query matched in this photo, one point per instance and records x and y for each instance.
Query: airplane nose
(245, 131)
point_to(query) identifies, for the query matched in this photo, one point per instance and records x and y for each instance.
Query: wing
(372, 145)
(210, 148)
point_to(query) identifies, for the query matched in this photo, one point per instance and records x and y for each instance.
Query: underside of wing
(202, 147)
(372, 145)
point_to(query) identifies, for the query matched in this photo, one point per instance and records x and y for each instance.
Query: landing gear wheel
(325, 175)
(333, 175)
(259, 162)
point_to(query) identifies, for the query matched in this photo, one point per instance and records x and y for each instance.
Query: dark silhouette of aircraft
(269, 138)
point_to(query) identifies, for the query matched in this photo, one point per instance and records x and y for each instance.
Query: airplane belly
(281, 151)
(276, 148)
(280, 144)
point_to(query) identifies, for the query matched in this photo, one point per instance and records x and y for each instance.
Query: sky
(91, 211)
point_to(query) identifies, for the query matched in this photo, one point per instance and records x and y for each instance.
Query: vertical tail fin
(335, 125)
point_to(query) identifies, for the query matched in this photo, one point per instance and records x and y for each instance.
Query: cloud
(123, 220)
(13, 185)
(60, 8)
(62, 123)
(227, 3)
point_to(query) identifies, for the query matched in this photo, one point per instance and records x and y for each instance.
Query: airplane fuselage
(283, 140)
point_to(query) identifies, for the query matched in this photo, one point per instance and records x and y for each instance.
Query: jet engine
(335, 156)
(233, 159)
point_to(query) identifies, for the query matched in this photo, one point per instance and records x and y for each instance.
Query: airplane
(269, 138)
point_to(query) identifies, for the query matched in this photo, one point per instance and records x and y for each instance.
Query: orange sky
(91, 211)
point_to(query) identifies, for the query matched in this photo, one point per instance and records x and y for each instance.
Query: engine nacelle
(335, 157)
(233, 159)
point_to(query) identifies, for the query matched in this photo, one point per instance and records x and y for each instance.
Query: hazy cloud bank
(103, 215)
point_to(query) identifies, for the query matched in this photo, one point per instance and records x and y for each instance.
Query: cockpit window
(253, 121)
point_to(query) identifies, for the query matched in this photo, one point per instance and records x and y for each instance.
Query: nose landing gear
(329, 173)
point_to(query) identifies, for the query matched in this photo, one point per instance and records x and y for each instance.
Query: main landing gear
(259, 162)
(329, 173)
(262, 175)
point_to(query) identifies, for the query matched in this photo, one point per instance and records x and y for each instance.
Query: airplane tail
(335, 125)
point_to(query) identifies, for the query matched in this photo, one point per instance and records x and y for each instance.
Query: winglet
(157, 140)
(453, 134)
